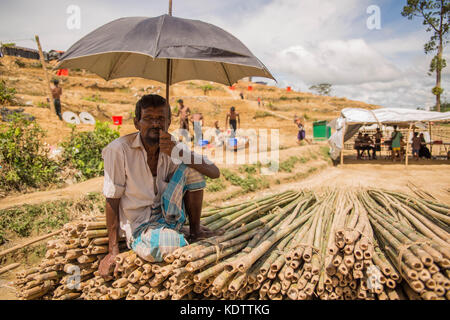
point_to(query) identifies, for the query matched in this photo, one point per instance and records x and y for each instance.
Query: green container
(321, 131)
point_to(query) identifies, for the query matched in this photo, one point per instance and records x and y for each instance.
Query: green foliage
(323, 89)
(24, 160)
(215, 185)
(445, 107)
(95, 98)
(250, 168)
(289, 164)
(262, 114)
(272, 107)
(248, 184)
(43, 105)
(36, 65)
(436, 18)
(83, 150)
(206, 88)
(7, 95)
(437, 91)
(20, 63)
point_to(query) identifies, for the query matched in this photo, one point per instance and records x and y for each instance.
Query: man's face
(152, 120)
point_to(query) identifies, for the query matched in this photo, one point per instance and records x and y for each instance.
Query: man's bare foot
(205, 233)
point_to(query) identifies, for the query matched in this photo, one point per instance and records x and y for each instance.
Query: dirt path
(70, 192)
(434, 179)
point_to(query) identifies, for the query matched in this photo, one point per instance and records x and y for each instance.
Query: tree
(323, 89)
(436, 17)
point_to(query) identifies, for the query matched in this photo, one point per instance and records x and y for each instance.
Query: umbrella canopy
(166, 49)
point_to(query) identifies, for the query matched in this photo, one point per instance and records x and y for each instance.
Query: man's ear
(136, 123)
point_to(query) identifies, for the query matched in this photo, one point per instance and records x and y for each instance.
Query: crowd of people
(232, 121)
(365, 144)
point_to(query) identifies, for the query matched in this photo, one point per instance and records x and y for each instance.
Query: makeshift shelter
(352, 119)
(20, 52)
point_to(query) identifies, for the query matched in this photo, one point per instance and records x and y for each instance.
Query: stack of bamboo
(344, 244)
(414, 234)
(77, 251)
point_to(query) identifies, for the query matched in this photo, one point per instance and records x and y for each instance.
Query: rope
(218, 246)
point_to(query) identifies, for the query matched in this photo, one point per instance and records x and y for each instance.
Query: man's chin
(152, 140)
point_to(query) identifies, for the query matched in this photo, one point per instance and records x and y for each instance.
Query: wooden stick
(20, 246)
(41, 56)
(9, 267)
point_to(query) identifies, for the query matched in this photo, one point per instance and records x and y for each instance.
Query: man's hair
(55, 81)
(150, 101)
(180, 101)
(395, 127)
(416, 134)
(232, 109)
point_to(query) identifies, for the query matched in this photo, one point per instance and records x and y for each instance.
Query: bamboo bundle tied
(340, 244)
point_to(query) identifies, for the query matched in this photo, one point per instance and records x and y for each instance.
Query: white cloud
(338, 62)
(301, 42)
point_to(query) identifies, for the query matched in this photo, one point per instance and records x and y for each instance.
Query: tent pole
(342, 150)
(168, 80)
(407, 144)
(431, 140)
(168, 77)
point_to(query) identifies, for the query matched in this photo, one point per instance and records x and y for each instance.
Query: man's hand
(107, 264)
(166, 144)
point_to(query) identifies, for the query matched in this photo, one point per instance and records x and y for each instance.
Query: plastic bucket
(117, 120)
(203, 143)
(250, 88)
(288, 89)
(232, 142)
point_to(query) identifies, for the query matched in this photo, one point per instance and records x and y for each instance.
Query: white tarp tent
(352, 119)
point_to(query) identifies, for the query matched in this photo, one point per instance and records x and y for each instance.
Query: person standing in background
(234, 121)
(197, 121)
(56, 93)
(184, 113)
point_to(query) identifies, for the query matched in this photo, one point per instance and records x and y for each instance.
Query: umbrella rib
(158, 35)
(226, 73)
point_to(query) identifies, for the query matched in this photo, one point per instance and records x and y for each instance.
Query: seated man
(150, 188)
(359, 145)
(368, 145)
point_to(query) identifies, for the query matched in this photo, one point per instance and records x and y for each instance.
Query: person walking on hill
(233, 120)
(56, 93)
(301, 130)
(184, 113)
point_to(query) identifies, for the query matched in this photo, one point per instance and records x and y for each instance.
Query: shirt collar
(137, 142)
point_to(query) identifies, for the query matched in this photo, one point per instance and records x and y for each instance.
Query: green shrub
(214, 185)
(24, 160)
(20, 63)
(83, 150)
(95, 98)
(262, 114)
(289, 164)
(248, 184)
(43, 105)
(7, 95)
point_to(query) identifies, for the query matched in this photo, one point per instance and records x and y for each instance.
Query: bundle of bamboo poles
(81, 244)
(336, 245)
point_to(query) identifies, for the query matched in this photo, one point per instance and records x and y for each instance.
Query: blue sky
(303, 42)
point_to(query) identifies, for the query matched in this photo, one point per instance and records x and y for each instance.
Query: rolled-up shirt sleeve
(114, 182)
